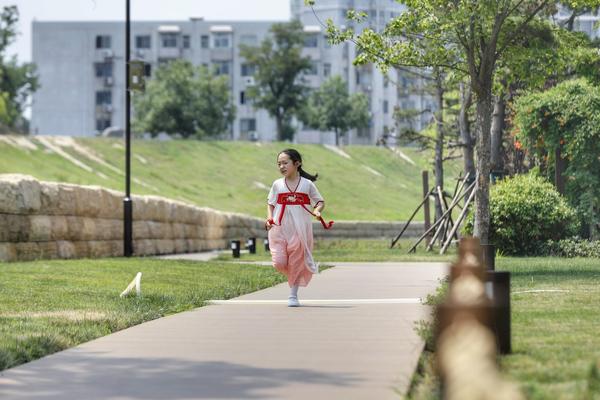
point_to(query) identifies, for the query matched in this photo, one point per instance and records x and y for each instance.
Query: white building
(81, 69)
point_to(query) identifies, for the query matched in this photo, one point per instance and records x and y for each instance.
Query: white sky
(114, 10)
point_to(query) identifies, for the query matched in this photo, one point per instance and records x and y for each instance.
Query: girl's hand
(268, 224)
(317, 213)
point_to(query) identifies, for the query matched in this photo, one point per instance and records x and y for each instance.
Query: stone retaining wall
(58, 220)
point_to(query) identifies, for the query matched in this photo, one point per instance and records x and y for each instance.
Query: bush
(526, 211)
(575, 247)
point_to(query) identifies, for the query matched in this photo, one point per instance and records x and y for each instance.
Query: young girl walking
(289, 222)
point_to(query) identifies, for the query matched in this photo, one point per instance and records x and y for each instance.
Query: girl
(289, 222)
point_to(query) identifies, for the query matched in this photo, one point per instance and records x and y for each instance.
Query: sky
(114, 10)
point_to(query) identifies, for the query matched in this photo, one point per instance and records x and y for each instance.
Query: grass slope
(232, 176)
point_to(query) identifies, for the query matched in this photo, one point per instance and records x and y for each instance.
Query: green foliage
(426, 329)
(17, 81)
(572, 247)
(526, 211)
(280, 64)
(566, 117)
(332, 108)
(186, 100)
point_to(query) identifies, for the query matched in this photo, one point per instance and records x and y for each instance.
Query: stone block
(19, 194)
(7, 252)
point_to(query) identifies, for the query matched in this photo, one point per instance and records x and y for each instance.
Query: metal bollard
(500, 296)
(489, 256)
(267, 245)
(251, 245)
(235, 248)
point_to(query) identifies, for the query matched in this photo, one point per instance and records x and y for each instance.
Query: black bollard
(500, 296)
(489, 256)
(251, 245)
(267, 245)
(235, 248)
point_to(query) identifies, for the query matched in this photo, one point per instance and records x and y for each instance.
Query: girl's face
(287, 167)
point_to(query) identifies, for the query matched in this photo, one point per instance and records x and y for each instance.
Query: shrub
(574, 247)
(526, 211)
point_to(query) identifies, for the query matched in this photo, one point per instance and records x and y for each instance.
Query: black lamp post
(127, 204)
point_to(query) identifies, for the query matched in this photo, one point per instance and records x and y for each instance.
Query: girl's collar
(297, 185)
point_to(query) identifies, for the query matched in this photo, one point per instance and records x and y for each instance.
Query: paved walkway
(354, 340)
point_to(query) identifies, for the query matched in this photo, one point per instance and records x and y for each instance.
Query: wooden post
(426, 192)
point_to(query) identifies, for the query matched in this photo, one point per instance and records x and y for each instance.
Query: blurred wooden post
(427, 217)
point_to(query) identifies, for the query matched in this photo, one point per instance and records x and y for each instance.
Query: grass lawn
(47, 306)
(555, 333)
(355, 250)
(555, 326)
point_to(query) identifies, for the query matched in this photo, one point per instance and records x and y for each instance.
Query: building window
(221, 67)
(249, 40)
(221, 40)
(103, 70)
(147, 70)
(102, 123)
(168, 40)
(314, 68)
(248, 125)
(242, 97)
(326, 69)
(143, 42)
(103, 42)
(326, 43)
(204, 41)
(385, 106)
(186, 41)
(311, 40)
(386, 81)
(103, 97)
(248, 69)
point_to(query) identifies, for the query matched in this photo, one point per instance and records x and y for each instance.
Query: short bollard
(251, 245)
(489, 256)
(267, 245)
(499, 283)
(235, 248)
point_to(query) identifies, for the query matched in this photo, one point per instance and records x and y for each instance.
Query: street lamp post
(127, 204)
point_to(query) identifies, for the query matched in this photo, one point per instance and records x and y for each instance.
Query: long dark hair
(295, 156)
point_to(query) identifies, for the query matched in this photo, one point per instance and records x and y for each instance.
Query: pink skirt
(288, 257)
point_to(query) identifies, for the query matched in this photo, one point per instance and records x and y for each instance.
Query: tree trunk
(482, 196)
(439, 142)
(279, 121)
(498, 116)
(337, 138)
(464, 127)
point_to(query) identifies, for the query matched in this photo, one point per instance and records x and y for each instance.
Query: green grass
(554, 333)
(47, 306)
(222, 175)
(356, 250)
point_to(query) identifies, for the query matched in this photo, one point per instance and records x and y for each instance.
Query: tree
(186, 100)
(332, 108)
(468, 37)
(564, 121)
(280, 64)
(17, 81)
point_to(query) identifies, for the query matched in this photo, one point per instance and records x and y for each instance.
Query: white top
(304, 186)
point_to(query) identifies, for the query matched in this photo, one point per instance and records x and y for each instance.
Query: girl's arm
(270, 209)
(320, 206)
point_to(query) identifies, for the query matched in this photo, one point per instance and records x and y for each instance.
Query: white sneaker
(293, 302)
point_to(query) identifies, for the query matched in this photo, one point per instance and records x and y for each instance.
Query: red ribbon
(297, 199)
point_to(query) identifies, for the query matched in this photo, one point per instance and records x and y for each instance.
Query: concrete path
(356, 342)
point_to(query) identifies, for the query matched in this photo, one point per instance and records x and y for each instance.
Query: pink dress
(291, 240)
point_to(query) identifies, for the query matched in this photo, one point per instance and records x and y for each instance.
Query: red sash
(297, 199)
